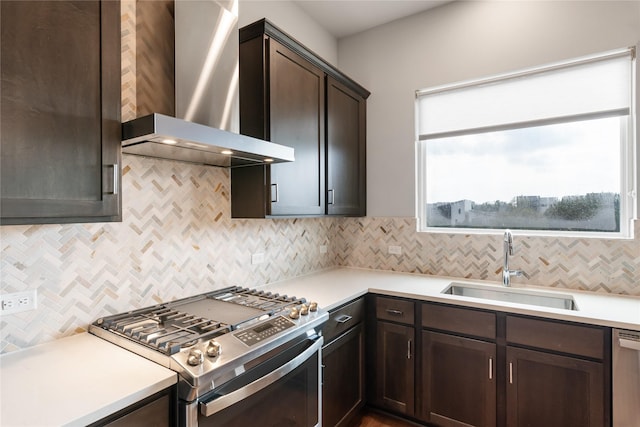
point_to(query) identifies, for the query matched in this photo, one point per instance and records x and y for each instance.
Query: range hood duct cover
(206, 127)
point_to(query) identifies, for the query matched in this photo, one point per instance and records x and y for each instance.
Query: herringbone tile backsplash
(177, 239)
(598, 265)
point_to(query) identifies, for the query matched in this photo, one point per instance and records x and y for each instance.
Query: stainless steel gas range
(239, 354)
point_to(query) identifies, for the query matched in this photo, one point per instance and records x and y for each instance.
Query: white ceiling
(342, 18)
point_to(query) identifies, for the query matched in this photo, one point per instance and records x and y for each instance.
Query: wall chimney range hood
(165, 137)
(205, 129)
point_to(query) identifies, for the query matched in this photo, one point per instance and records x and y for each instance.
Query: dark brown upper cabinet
(346, 150)
(60, 109)
(290, 96)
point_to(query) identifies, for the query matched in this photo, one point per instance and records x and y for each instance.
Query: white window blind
(586, 88)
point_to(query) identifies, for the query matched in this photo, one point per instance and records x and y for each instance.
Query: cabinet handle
(114, 179)
(510, 373)
(330, 196)
(409, 349)
(490, 368)
(274, 190)
(343, 319)
(394, 312)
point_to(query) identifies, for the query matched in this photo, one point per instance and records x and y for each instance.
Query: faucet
(508, 250)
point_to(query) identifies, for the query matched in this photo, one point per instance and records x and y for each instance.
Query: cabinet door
(395, 368)
(343, 377)
(158, 410)
(553, 391)
(458, 381)
(60, 109)
(346, 151)
(297, 117)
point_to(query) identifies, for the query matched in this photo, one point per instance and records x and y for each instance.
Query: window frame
(629, 151)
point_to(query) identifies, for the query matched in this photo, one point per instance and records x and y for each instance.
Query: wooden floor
(375, 419)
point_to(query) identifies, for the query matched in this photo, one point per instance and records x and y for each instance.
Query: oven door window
(291, 401)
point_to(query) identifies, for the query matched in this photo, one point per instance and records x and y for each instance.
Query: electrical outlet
(257, 258)
(17, 302)
(323, 249)
(395, 250)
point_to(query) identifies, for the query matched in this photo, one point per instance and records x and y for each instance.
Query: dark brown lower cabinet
(395, 367)
(158, 410)
(458, 380)
(486, 368)
(553, 391)
(483, 368)
(343, 377)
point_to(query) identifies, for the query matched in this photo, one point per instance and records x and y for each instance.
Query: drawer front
(561, 337)
(343, 318)
(459, 320)
(395, 310)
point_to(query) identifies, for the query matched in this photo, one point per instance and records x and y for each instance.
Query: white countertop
(74, 381)
(333, 288)
(77, 380)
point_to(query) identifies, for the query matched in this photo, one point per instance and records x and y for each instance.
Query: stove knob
(294, 314)
(214, 349)
(195, 357)
(313, 306)
(304, 310)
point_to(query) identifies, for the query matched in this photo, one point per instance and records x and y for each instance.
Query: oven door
(283, 391)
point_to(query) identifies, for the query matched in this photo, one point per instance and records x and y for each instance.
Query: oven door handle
(217, 405)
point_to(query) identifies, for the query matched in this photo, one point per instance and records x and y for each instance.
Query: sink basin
(519, 296)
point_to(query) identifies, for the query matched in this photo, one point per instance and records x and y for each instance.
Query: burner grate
(172, 326)
(164, 329)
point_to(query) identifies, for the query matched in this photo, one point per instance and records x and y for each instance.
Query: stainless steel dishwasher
(626, 378)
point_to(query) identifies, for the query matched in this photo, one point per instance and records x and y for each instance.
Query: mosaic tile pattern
(128, 58)
(599, 265)
(176, 239)
(155, 73)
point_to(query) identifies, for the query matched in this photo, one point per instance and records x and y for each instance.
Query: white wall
(291, 19)
(459, 41)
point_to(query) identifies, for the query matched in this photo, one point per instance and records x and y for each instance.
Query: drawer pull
(394, 312)
(343, 318)
(409, 349)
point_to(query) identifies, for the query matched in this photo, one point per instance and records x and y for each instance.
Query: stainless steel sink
(520, 296)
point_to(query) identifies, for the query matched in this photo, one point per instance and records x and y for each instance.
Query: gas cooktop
(212, 337)
(169, 327)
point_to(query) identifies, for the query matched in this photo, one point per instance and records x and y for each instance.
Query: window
(549, 150)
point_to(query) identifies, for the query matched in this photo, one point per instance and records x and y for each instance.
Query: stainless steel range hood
(206, 127)
(157, 135)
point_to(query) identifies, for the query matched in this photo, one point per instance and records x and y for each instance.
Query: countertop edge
(335, 287)
(123, 403)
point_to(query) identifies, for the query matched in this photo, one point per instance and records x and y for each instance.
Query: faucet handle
(508, 240)
(518, 273)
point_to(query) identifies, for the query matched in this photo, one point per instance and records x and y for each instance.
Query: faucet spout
(508, 251)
